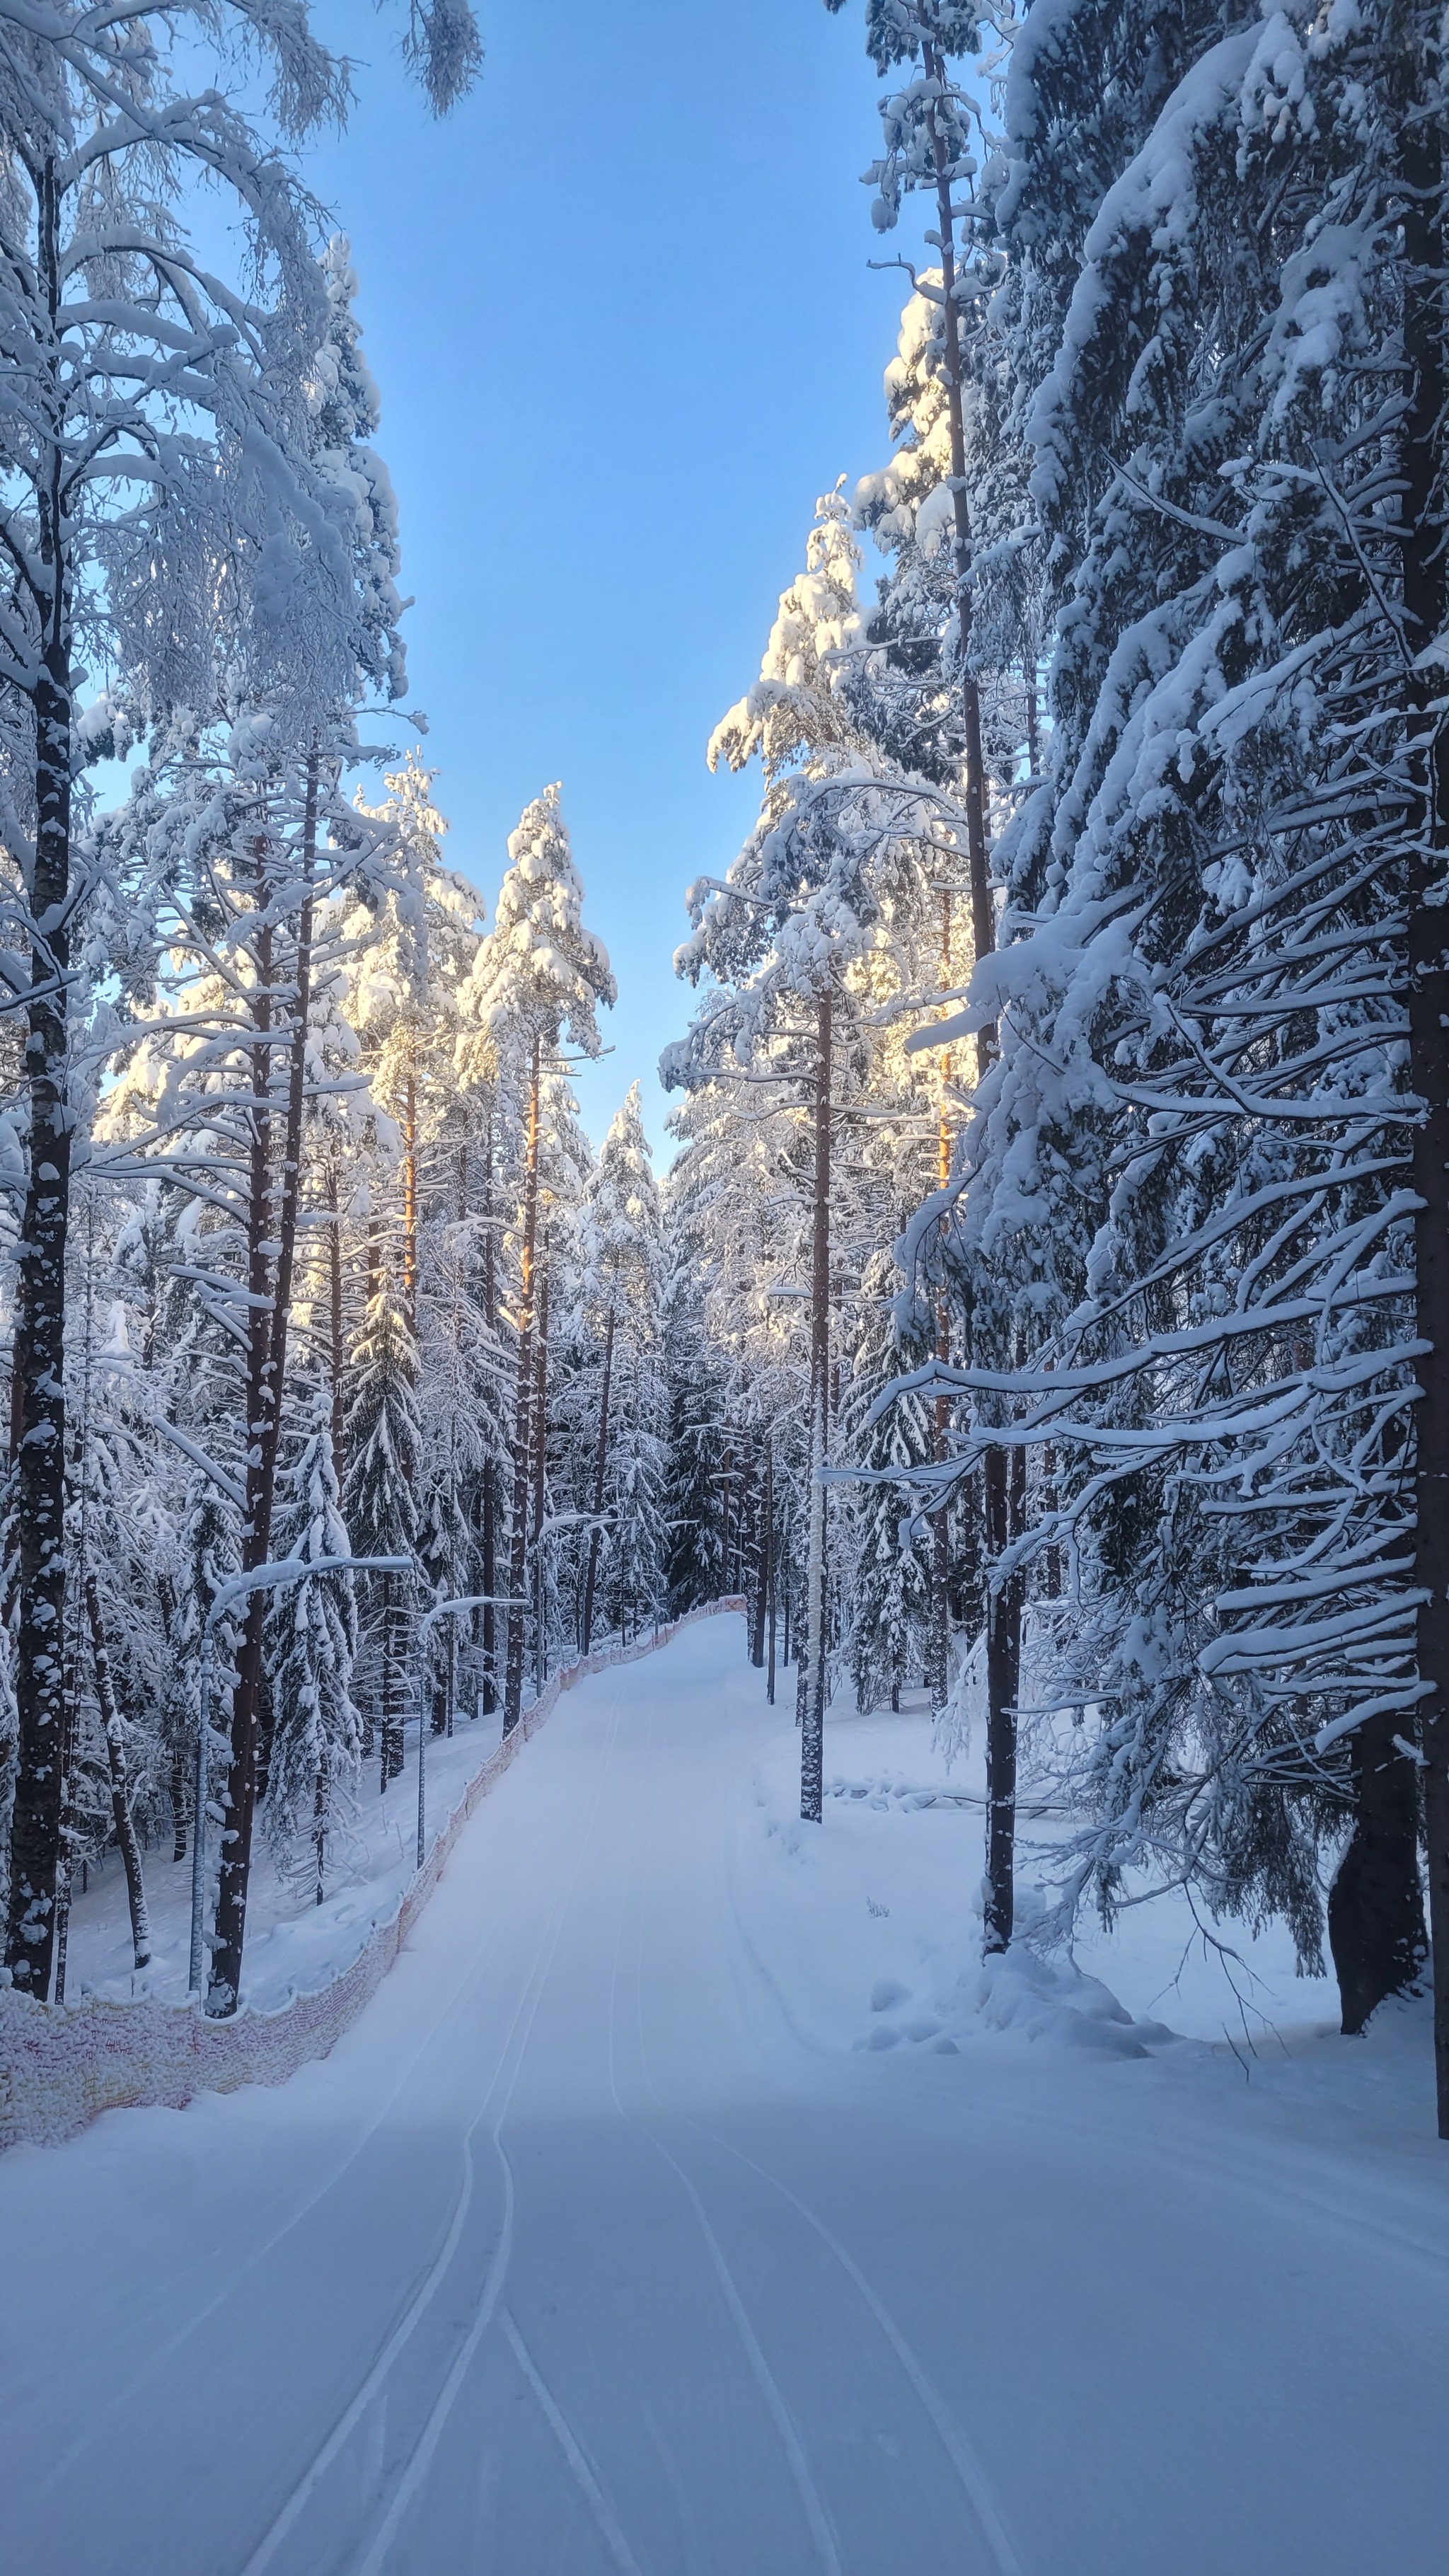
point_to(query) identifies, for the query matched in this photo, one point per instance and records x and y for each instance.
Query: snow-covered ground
(682, 2206)
(293, 1945)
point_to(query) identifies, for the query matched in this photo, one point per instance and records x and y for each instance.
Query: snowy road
(575, 2258)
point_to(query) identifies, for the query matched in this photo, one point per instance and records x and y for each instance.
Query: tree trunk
(39, 1358)
(812, 1742)
(120, 1787)
(771, 1563)
(410, 1202)
(762, 1566)
(523, 1411)
(272, 1216)
(1375, 1908)
(1003, 1673)
(394, 1711)
(338, 1352)
(490, 1471)
(1426, 605)
(940, 1631)
(540, 1476)
(983, 918)
(600, 1468)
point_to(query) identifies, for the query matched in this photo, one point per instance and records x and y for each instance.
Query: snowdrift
(61, 2065)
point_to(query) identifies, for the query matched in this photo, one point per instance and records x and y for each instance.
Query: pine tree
(540, 973)
(312, 1646)
(382, 1504)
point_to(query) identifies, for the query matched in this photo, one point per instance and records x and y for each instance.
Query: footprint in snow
(887, 1994)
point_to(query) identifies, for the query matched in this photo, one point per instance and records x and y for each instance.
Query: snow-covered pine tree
(382, 1505)
(312, 1647)
(1187, 1177)
(120, 534)
(623, 1249)
(539, 975)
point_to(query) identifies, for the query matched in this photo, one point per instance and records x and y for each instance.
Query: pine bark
(1426, 607)
(522, 1420)
(762, 1567)
(812, 1742)
(540, 1476)
(601, 1458)
(772, 1555)
(271, 1217)
(338, 1350)
(126, 1842)
(983, 918)
(490, 1471)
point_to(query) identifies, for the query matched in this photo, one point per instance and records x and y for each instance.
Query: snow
(599, 2243)
(294, 1946)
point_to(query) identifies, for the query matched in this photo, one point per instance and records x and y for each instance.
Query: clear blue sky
(620, 312)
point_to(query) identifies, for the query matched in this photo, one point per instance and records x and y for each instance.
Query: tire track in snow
(285, 2521)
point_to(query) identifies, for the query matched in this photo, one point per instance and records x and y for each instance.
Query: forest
(1043, 1314)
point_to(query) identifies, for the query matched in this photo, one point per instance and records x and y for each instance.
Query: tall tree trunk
(490, 1471)
(1003, 1643)
(1003, 1674)
(812, 1741)
(337, 1355)
(540, 1475)
(272, 1218)
(762, 1564)
(129, 1848)
(983, 918)
(410, 1201)
(1426, 605)
(771, 1564)
(39, 1358)
(523, 1413)
(939, 1678)
(601, 1460)
(394, 1707)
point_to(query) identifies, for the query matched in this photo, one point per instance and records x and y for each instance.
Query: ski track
(462, 1993)
(817, 2518)
(702, 2296)
(376, 2381)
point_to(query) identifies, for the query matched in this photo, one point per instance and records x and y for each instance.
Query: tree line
(1065, 1125)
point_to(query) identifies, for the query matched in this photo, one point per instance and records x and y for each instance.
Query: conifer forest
(723, 1830)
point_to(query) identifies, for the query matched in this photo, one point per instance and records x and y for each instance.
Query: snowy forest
(1044, 1308)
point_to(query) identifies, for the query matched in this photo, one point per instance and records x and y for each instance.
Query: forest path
(574, 2258)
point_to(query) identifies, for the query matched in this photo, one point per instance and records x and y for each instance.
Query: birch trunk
(39, 1360)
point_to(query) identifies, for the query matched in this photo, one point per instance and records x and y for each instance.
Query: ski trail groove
(460, 1994)
(816, 2516)
(420, 2458)
(402, 2332)
(953, 2441)
(598, 2503)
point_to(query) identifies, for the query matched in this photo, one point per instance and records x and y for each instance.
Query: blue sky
(621, 315)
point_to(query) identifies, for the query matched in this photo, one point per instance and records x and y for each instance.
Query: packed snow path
(575, 2258)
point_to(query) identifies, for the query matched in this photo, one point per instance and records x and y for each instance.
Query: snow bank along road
(574, 2257)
